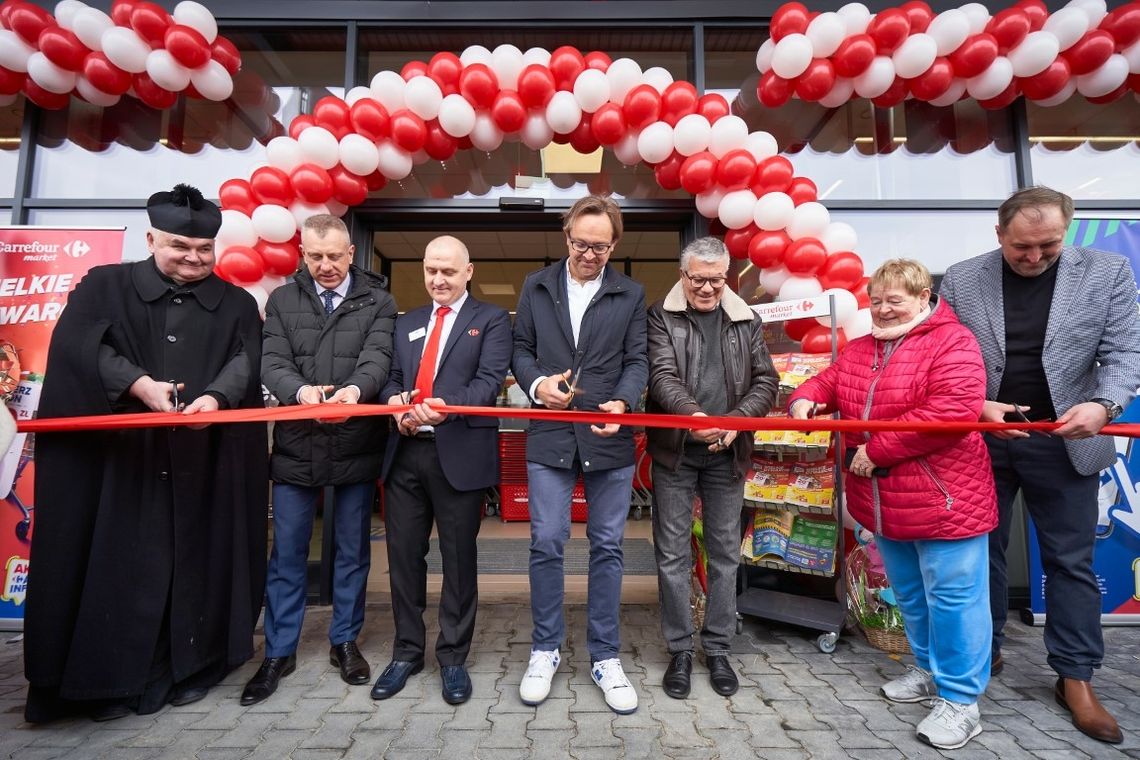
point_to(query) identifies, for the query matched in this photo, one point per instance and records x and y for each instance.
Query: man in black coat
(454, 351)
(328, 340)
(580, 343)
(149, 550)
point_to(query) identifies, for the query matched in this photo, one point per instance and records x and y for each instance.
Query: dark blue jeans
(1063, 505)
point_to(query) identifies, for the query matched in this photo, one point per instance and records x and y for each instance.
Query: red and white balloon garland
(139, 50)
(345, 148)
(910, 52)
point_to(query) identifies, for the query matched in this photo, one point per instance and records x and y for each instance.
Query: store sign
(781, 311)
(39, 267)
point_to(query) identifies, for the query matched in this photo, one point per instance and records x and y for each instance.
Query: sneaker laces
(541, 657)
(611, 674)
(951, 714)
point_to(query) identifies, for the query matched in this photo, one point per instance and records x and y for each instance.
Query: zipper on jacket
(945, 492)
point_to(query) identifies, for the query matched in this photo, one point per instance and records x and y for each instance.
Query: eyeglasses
(699, 282)
(599, 249)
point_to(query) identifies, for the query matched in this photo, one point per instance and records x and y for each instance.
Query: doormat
(511, 556)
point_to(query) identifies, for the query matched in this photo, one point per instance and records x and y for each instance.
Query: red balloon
(1124, 24)
(242, 264)
(919, 14)
(894, 95)
(121, 11)
(151, 94)
(713, 106)
(369, 119)
(802, 190)
(773, 90)
(52, 101)
(1089, 52)
(678, 100)
(698, 172)
(796, 329)
(478, 85)
(332, 113)
(1036, 11)
(62, 48)
(271, 185)
(766, 249)
(105, 75)
(413, 69)
(608, 124)
(226, 53)
(974, 55)
(408, 131)
(311, 183)
(596, 59)
(582, 137)
(843, 269)
(29, 21)
(439, 145)
(445, 69)
(889, 29)
(735, 169)
(817, 340)
(536, 86)
(1133, 82)
(566, 63)
(817, 80)
(935, 81)
(377, 181)
(805, 256)
(1105, 99)
(187, 46)
(150, 21)
(11, 82)
(236, 194)
(854, 55)
(668, 172)
(1007, 96)
(773, 175)
(508, 111)
(789, 18)
(862, 295)
(642, 106)
(348, 188)
(280, 259)
(300, 123)
(1009, 28)
(1049, 82)
(736, 241)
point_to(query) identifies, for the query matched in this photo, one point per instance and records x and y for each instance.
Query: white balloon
(486, 135)
(1065, 93)
(978, 15)
(475, 54)
(846, 306)
(167, 72)
(212, 81)
(125, 49)
(93, 94)
(764, 55)
(826, 33)
(284, 153)
(270, 282)
(1104, 79)
(319, 146)
(65, 11)
(736, 208)
(708, 202)
(89, 25)
(952, 95)
(7, 100)
(773, 278)
(858, 325)
(991, 82)
(796, 287)
(358, 154)
(1096, 10)
(260, 295)
(774, 211)
(877, 79)
(792, 56)
(625, 149)
(536, 133)
(808, 220)
(423, 97)
(761, 145)
(49, 76)
(856, 17)
(388, 88)
(393, 162)
(915, 55)
(728, 133)
(839, 236)
(1132, 55)
(623, 75)
(236, 229)
(456, 115)
(14, 52)
(1068, 24)
(949, 30)
(1034, 54)
(507, 63)
(335, 207)
(302, 211)
(563, 113)
(841, 92)
(655, 143)
(537, 55)
(273, 223)
(692, 133)
(420, 157)
(591, 90)
(197, 16)
(360, 92)
(658, 78)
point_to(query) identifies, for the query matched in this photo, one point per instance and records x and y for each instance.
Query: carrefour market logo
(76, 249)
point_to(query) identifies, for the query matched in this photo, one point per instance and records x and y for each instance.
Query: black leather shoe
(392, 680)
(264, 681)
(353, 667)
(721, 675)
(110, 710)
(456, 684)
(678, 676)
(188, 696)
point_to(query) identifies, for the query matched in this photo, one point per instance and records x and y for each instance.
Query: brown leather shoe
(1089, 715)
(996, 665)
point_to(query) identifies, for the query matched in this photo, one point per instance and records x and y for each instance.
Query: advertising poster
(39, 267)
(1117, 555)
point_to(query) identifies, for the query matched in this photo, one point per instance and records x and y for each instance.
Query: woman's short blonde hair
(908, 274)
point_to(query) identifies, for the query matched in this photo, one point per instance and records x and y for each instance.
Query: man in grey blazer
(1059, 329)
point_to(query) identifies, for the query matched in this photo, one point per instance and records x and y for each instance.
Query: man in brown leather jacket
(706, 358)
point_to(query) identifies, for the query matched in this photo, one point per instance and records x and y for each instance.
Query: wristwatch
(1114, 409)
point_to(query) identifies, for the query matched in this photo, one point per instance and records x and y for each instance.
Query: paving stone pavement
(794, 702)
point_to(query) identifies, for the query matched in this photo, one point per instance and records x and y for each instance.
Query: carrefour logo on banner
(15, 581)
(76, 249)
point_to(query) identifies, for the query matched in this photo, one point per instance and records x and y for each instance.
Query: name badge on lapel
(473, 332)
(416, 334)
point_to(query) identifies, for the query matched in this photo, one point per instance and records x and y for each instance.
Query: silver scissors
(174, 395)
(572, 388)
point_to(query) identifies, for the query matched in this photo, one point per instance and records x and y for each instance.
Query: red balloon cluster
(911, 52)
(139, 49)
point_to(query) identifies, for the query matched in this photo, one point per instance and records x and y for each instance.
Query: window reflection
(134, 220)
(1087, 150)
(11, 120)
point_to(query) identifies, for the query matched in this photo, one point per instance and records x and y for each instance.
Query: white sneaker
(610, 678)
(950, 724)
(535, 686)
(915, 685)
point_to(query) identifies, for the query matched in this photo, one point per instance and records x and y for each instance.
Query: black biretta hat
(183, 211)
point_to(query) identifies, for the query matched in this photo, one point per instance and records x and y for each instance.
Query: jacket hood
(361, 280)
(732, 304)
(940, 315)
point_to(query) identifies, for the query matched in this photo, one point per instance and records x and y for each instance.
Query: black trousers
(416, 494)
(1063, 505)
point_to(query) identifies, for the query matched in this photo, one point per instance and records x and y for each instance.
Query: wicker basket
(891, 642)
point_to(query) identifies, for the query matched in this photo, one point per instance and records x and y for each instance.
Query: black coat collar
(151, 285)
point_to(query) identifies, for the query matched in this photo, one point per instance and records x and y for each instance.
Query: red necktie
(426, 372)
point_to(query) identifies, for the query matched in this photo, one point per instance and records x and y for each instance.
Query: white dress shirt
(578, 297)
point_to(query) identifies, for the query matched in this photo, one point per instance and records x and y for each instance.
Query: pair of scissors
(174, 395)
(572, 388)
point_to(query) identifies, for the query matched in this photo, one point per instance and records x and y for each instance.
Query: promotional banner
(1117, 558)
(39, 266)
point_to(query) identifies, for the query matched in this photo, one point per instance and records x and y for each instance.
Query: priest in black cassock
(149, 550)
